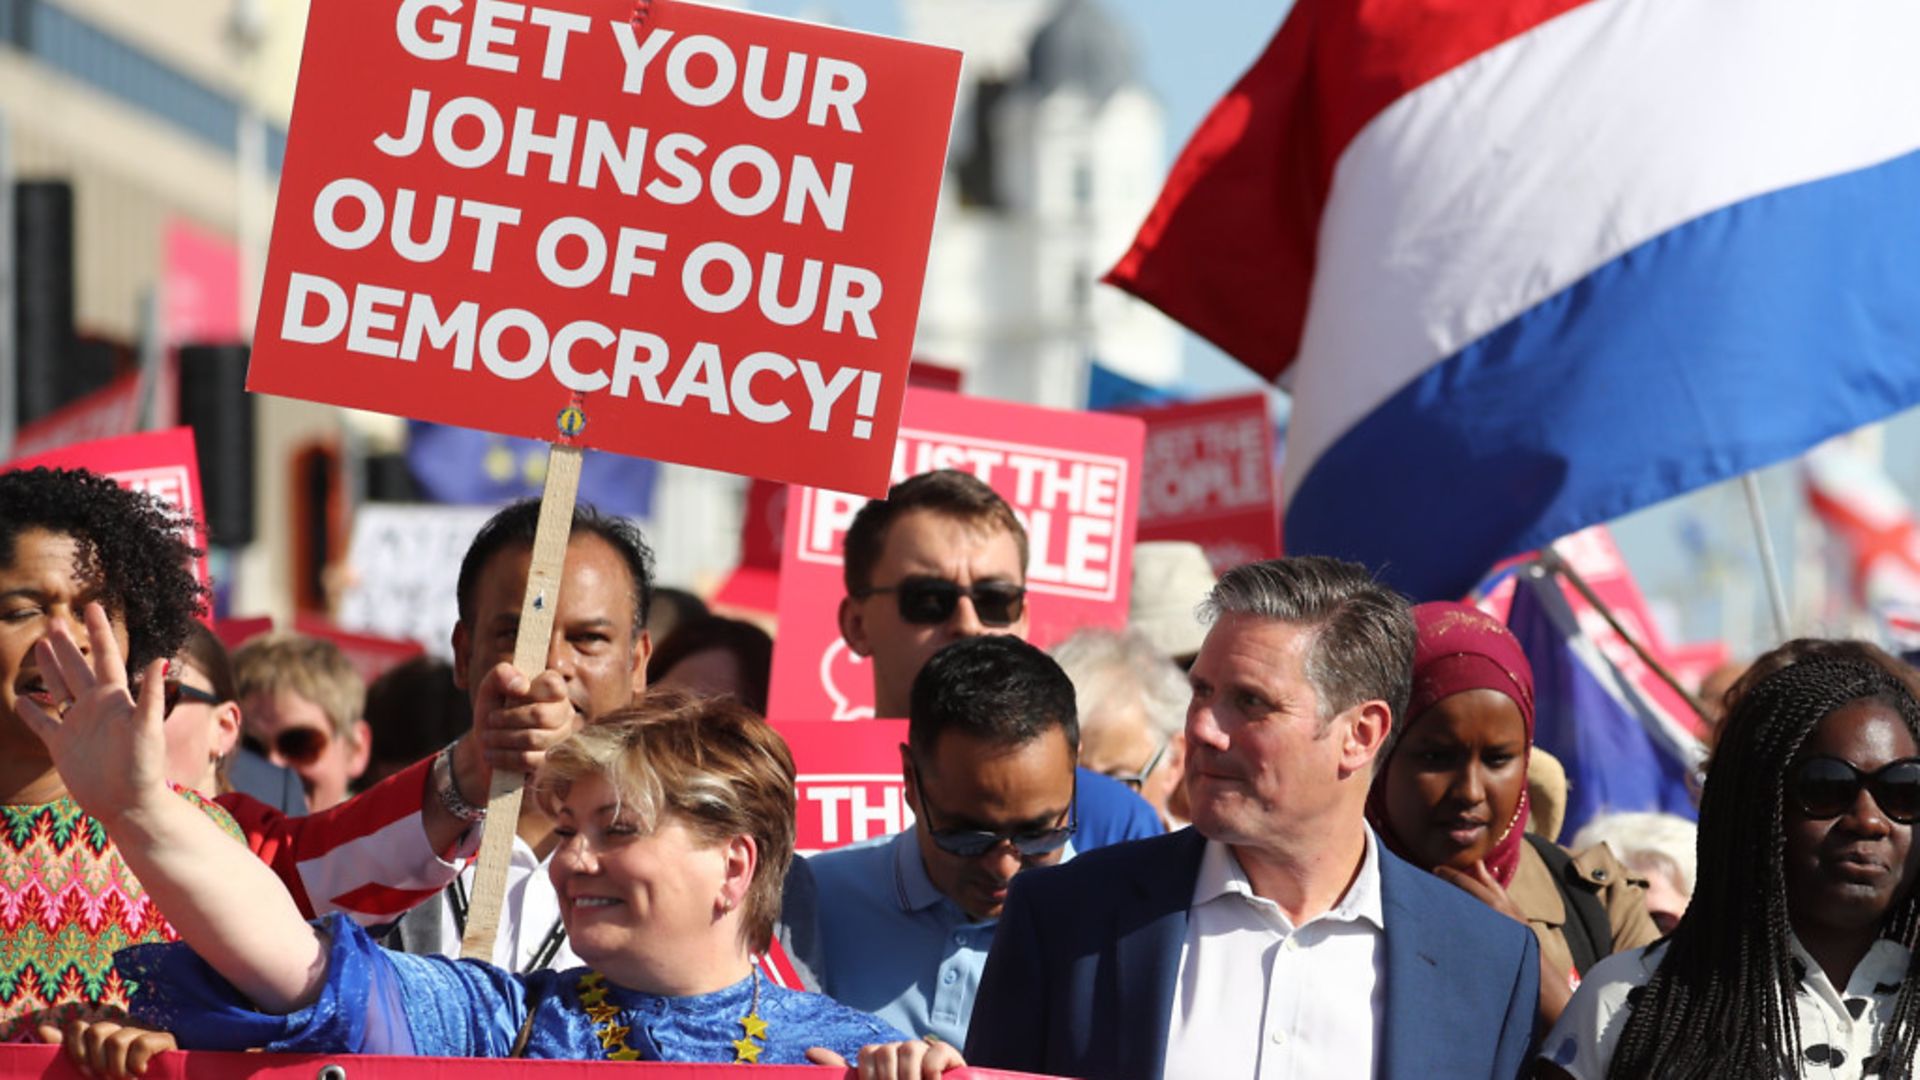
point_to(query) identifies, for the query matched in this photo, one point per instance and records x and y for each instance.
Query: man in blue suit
(1278, 936)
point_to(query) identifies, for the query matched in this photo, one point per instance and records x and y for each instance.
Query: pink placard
(1207, 476)
(849, 781)
(1071, 478)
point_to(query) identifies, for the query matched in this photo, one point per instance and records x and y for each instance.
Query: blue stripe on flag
(1736, 340)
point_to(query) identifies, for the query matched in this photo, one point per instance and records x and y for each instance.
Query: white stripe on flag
(1497, 185)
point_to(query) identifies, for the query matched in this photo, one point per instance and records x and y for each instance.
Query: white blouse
(1839, 1031)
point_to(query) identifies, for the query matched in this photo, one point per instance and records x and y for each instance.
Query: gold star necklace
(613, 1037)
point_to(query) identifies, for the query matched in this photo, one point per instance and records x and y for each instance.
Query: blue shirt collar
(912, 887)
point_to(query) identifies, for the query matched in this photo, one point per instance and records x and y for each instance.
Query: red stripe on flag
(380, 900)
(1228, 250)
(778, 967)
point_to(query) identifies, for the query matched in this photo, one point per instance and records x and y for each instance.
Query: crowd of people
(1283, 824)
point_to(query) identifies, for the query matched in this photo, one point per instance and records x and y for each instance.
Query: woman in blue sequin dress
(676, 826)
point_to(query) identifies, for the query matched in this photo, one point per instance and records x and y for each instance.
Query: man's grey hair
(1110, 669)
(1363, 634)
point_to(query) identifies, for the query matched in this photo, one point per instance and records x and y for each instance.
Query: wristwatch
(449, 792)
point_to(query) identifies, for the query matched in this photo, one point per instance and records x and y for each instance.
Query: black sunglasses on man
(930, 601)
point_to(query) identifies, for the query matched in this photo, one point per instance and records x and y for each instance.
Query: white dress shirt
(1258, 997)
(529, 914)
(1841, 1031)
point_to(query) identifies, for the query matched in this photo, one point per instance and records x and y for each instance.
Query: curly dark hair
(133, 548)
(1722, 1001)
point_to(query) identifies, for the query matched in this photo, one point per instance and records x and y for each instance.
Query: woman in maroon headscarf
(1451, 796)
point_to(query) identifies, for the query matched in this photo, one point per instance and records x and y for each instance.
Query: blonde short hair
(311, 667)
(712, 762)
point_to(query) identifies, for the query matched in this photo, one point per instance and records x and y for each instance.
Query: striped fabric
(1527, 266)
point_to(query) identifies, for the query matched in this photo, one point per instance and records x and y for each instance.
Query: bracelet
(449, 792)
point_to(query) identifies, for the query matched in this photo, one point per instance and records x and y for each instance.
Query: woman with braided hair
(1795, 958)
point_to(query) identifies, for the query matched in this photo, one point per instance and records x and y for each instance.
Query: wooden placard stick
(530, 656)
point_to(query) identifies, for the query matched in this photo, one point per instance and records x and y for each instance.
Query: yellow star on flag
(625, 1053)
(756, 1028)
(613, 1035)
(745, 1050)
(603, 1013)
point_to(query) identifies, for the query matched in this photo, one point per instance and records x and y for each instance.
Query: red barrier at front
(22, 1062)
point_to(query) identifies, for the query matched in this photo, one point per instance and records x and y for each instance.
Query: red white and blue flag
(1529, 265)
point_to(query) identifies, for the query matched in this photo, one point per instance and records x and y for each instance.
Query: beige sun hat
(1170, 579)
(1547, 791)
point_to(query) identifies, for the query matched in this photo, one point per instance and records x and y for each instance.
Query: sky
(1190, 52)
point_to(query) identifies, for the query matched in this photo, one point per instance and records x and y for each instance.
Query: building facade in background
(1057, 153)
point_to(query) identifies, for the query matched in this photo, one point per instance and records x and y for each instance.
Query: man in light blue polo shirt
(900, 926)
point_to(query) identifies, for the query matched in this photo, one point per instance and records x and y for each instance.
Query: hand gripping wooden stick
(530, 656)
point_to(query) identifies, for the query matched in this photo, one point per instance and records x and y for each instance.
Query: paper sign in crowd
(1071, 478)
(699, 236)
(1207, 476)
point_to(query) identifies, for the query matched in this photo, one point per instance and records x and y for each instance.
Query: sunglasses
(1138, 780)
(930, 601)
(175, 692)
(295, 746)
(1827, 787)
(973, 843)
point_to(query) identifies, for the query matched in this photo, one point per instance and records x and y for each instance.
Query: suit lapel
(1414, 986)
(1150, 931)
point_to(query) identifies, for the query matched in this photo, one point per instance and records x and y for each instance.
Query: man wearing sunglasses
(901, 925)
(942, 559)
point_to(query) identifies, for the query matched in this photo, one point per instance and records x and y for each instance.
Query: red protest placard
(234, 633)
(160, 463)
(1070, 477)
(754, 585)
(849, 782)
(707, 231)
(112, 410)
(1207, 476)
(370, 654)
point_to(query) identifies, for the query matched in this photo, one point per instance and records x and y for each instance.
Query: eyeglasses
(973, 843)
(1828, 787)
(176, 692)
(930, 601)
(1138, 780)
(296, 746)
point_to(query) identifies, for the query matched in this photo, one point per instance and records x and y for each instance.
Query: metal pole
(9, 319)
(1769, 565)
(1555, 563)
(153, 354)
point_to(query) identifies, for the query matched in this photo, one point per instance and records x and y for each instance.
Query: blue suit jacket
(1080, 981)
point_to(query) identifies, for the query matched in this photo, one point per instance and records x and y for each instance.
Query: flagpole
(1551, 559)
(1769, 564)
